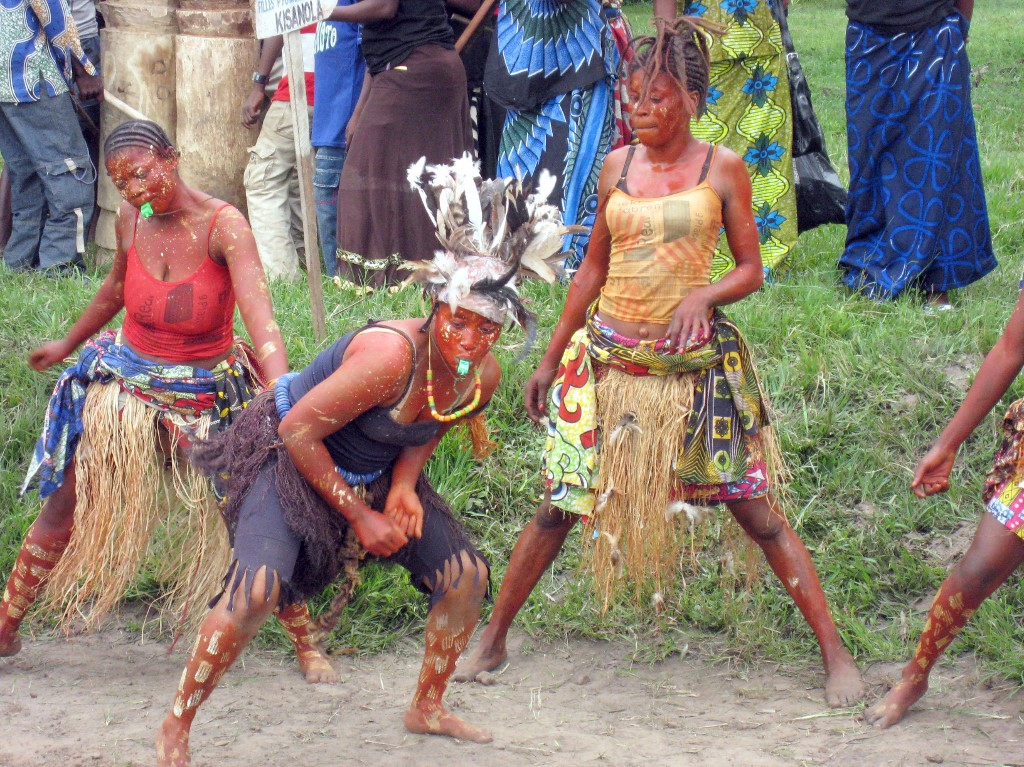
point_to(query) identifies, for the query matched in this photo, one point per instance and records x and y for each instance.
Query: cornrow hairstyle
(139, 134)
(682, 50)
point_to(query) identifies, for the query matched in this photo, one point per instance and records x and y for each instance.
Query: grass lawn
(860, 390)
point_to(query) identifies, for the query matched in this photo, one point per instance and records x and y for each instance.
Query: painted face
(142, 176)
(659, 116)
(463, 338)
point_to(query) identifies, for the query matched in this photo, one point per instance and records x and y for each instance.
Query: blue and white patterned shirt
(38, 39)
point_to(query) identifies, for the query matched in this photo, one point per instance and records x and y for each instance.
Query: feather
(602, 499)
(694, 514)
(491, 231)
(420, 182)
(545, 186)
(626, 425)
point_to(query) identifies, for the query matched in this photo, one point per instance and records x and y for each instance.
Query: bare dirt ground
(96, 701)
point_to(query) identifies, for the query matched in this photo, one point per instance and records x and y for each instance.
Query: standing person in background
(271, 177)
(338, 72)
(749, 111)
(45, 155)
(553, 68)
(916, 216)
(413, 104)
(87, 22)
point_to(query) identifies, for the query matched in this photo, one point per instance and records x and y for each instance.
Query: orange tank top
(661, 248)
(182, 320)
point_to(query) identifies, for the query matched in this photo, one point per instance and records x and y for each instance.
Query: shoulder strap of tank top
(621, 185)
(213, 221)
(135, 230)
(707, 163)
(412, 344)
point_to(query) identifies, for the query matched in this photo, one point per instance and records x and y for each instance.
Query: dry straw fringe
(639, 544)
(136, 509)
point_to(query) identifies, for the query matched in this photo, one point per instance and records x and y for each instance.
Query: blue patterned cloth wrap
(916, 215)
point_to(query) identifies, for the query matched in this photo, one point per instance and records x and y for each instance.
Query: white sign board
(276, 17)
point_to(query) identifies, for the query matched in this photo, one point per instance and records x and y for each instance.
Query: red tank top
(179, 321)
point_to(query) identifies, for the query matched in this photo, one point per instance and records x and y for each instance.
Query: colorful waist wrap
(634, 431)
(1004, 485)
(728, 407)
(133, 502)
(182, 393)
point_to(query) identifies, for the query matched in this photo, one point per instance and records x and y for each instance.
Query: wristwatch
(260, 79)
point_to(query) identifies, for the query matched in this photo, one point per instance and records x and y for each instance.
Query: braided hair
(139, 134)
(682, 50)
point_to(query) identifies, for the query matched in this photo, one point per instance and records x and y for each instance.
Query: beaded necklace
(449, 417)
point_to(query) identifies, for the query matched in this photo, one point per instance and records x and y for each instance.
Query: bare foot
(893, 706)
(10, 646)
(484, 657)
(441, 721)
(316, 667)
(844, 686)
(172, 744)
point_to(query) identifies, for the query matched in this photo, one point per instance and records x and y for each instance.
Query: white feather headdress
(491, 231)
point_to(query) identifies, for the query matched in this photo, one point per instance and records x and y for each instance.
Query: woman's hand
(932, 474)
(49, 354)
(378, 534)
(403, 507)
(537, 391)
(691, 323)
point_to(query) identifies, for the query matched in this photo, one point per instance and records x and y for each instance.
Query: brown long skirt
(418, 109)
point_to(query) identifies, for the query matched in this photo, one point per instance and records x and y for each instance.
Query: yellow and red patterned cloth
(1004, 484)
(721, 458)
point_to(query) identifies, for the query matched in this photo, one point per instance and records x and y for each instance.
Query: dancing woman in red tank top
(136, 396)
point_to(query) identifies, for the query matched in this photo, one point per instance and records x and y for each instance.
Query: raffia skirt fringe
(644, 537)
(140, 514)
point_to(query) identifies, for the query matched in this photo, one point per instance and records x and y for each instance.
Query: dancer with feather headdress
(328, 469)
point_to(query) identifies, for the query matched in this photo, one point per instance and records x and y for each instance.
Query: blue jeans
(51, 182)
(326, 176)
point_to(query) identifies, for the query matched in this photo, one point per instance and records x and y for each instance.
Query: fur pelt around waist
(236, 456)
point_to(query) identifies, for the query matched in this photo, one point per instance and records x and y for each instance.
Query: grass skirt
(136, 507)
(641, 439)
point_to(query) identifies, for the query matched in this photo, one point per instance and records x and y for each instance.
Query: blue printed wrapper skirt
(916, 215)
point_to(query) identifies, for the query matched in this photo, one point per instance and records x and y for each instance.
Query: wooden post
(474, 24)
(304, 165)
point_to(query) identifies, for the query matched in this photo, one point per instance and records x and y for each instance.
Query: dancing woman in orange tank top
(136, 395)
(652, 402)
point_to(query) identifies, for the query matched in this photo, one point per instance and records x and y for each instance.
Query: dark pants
(51, 182)
(262, 538)
(326, 177)
(89, 122)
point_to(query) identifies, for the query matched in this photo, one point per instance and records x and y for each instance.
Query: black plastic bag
(820, 195)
